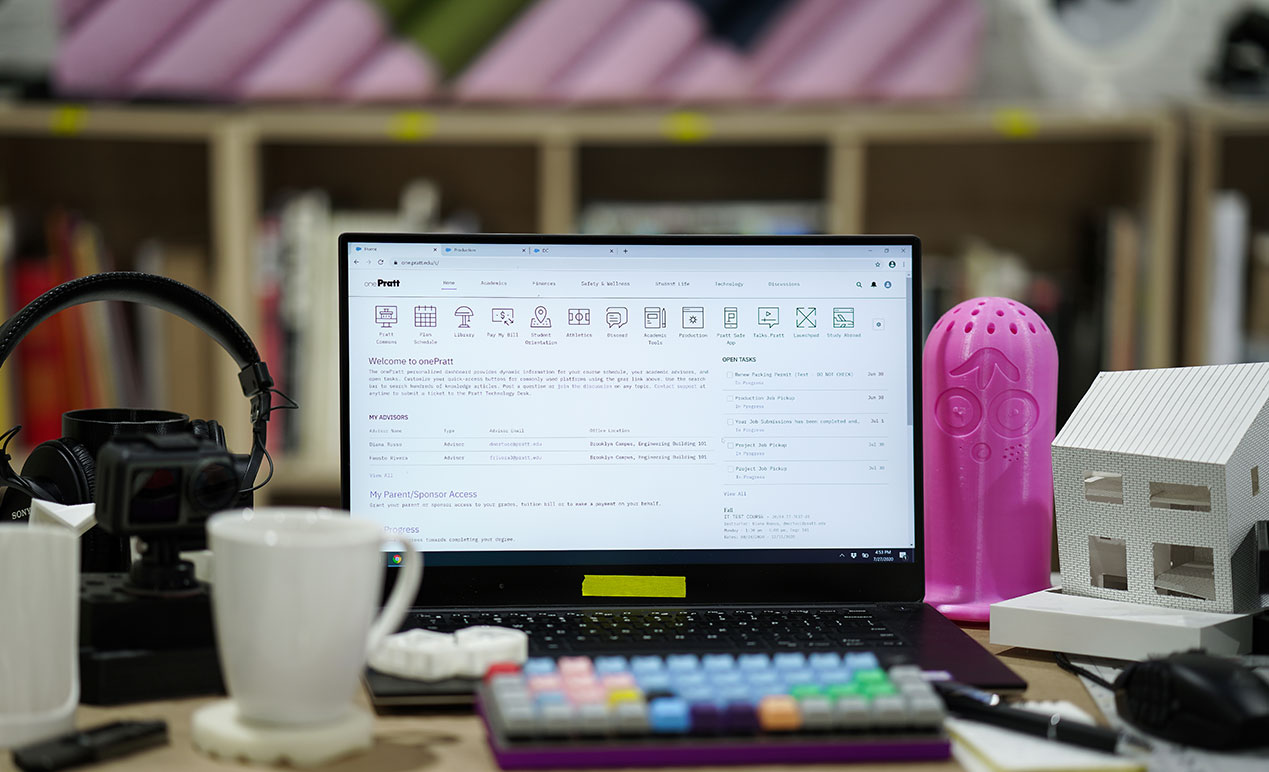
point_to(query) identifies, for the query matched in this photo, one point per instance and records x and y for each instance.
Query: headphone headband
(174, 297)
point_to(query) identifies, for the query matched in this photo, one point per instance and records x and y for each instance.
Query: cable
(289, 404)
(1066, 664)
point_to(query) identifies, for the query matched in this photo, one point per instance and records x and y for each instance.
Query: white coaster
(218, 730)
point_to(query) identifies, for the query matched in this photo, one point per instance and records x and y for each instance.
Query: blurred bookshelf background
(1104, 161)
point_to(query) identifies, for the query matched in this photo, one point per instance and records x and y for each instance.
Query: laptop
(657, 444)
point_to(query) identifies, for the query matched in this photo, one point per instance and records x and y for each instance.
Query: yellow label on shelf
(617, 586)
(411, 126)
(1016, 122)
(68, 120)
(686, 127)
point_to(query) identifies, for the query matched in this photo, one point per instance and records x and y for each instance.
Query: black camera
(166, 484)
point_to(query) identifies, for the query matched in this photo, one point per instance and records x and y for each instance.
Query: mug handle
(402, 598)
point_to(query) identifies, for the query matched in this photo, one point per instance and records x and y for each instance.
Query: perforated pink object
(989, 377)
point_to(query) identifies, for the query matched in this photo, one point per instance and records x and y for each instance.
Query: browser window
(662, 398)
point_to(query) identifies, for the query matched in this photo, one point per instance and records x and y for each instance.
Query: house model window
(1255, 481)
(1184, 571)
(1104, 487)
(1108, 563)
(1194, 498)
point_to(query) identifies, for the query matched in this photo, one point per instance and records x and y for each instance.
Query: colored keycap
(861, 660)
(870, 676)
(539, 666)
(718, 662)
(618, 696)
(706, 718)
(805, 691)
(740, 718)
(606, 665)
(825, 660)
(501, 670)
(779, 713)
(751, 662)
(546, 683)
(574, 666)
(682, 663)
(618, 681)
(669, 715)
(789, 660)
(642, 665)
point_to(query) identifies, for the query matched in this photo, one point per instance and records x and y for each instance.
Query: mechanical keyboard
(685, 708)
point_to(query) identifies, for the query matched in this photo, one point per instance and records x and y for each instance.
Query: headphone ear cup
(64, 467)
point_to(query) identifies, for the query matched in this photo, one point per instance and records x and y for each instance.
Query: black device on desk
(1194, 698)
(734, 422)
(145, 628)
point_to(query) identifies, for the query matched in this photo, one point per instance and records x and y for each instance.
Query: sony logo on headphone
(389, 282)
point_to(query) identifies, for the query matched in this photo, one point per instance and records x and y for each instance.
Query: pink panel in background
(712, 72)
(397, 72)
(856, 44)
(322, 48)
(792, 34)
(72, 12)
(639, 48)
(942, 62)
(205, 56)
(542, 44)
(96, 58)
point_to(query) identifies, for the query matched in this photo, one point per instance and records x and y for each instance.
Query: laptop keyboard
(555, 632)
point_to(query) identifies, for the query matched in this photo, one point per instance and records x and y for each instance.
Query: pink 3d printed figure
(989, 377)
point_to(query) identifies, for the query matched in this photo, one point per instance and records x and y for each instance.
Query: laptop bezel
(710, 584)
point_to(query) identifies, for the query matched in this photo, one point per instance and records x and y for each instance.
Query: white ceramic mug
(294, 594)
(39, 633)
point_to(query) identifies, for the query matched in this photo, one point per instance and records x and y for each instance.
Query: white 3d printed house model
(1157, 485)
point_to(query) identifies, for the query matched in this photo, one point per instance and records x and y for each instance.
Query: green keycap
(879, 689)
(802, 691)
(844, 690)
(872, 676)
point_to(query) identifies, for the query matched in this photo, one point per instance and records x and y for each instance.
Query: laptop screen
(523, 401)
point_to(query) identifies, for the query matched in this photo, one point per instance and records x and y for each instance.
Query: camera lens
(214, 488)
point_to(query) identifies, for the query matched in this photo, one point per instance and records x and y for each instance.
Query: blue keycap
(607, 665)
(862, 660)
(669, 715)
(726, 678)
(836, 675)
(682, 663)
(789, 660)
(802, 676)
(689, 680)
(542, 699)
(654, 682)
(738, 693)
(757, 692)
(539, 666)
(825, 660)
(718, 662)
(754, 662)
(640, 665)
(700, 694)
(765, 678)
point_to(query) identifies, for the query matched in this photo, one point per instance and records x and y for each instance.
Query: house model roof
(1184, 413)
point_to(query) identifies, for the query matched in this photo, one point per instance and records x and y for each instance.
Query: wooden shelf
(1021, 176)
(1228, 148)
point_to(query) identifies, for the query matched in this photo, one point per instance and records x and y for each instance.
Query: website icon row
(654, 317)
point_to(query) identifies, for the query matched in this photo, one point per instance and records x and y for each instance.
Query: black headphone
(66, 466)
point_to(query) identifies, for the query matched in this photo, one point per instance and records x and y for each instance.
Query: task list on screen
(681, 399)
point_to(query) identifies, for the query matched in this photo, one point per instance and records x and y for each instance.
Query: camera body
(152, 485)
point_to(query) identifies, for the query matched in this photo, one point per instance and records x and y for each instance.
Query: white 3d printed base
(220, 732)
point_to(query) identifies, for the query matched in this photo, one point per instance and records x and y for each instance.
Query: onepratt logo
(389, 283)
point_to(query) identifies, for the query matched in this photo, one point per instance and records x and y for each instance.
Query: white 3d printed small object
(431, 656)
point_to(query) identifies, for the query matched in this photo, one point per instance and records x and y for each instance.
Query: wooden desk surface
(456, 741)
